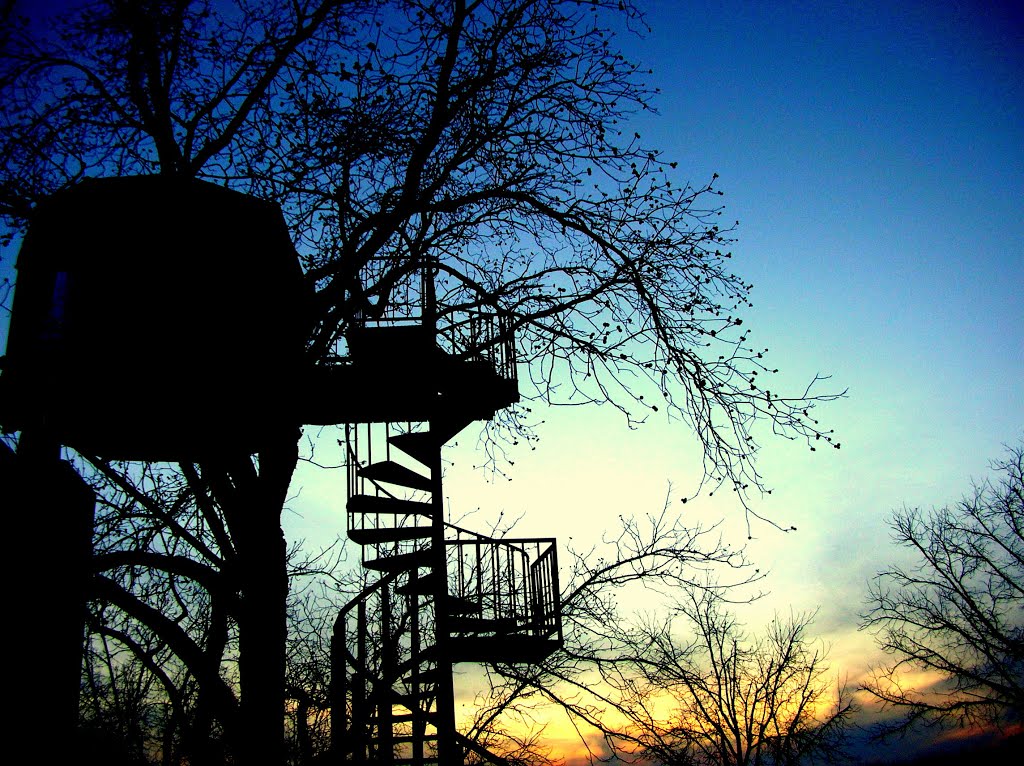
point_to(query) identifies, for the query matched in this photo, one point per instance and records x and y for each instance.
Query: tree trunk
(50, 507)
(262, 620)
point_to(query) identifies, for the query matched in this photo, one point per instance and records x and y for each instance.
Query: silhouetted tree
(484, 137)
(488, 136)
(956, 612)
(125, 717)
(168, 592)
(732, 698)
(649, 555)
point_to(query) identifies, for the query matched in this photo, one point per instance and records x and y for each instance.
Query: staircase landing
(443, 388)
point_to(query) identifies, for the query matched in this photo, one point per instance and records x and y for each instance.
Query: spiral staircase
(436, 594)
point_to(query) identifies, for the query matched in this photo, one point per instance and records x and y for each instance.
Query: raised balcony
(401, 369)
(508, 591)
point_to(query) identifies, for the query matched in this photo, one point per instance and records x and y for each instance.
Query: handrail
(369, 590)
(463, 531)
(513, 582)
(470, 334)
(477, 335)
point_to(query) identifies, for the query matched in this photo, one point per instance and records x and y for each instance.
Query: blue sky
(874, 159)
(874, 156)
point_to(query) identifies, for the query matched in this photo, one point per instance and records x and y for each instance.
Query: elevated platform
(400, 374)
(510, 648)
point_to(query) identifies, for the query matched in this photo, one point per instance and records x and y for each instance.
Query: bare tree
(732, 698)
(956, 612)
(695, 688)
(166, 608)
(125, 717)
(319, 591)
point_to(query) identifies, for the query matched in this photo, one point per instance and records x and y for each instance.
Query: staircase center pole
(448, 751)
(447, 748)
(385, 719)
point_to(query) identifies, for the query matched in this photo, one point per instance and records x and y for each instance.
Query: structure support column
(51, 509)
(448, 750)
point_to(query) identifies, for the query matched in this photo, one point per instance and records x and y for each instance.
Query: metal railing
(407, 296)
(513, 582)
(367, 443)
(375, 644)
(479, 336)
(472, 333)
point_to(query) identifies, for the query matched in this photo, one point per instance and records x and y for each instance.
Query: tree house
(163, 318)
(155, 318)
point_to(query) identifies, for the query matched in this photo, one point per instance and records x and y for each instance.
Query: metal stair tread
(391, 472)
(424, 445)
(421, 586)
(400, 561)
(411, 738)
(462, 606)
(428, 677)
(370, 536)
(464, 624)
(425, 586)
(516, 648)
(426, 654)
(412, 701)
(381, 504)
(419, 715)
(421, 445)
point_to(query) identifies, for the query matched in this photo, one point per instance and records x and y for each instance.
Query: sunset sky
(874, 156)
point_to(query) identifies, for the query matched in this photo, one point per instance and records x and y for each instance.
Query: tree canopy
(489, 137)
(734, 698)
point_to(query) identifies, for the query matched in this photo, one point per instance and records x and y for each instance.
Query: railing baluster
(479, 574)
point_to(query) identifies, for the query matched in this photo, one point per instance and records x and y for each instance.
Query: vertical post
(419, 724)
(429, 291)
(383, 695)
(448, 751)
(42, 488)
(360, 719)
(339, 689)
(480, 581)
(556, 593)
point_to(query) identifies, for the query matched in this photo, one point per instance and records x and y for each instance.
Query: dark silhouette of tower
(440, 594)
